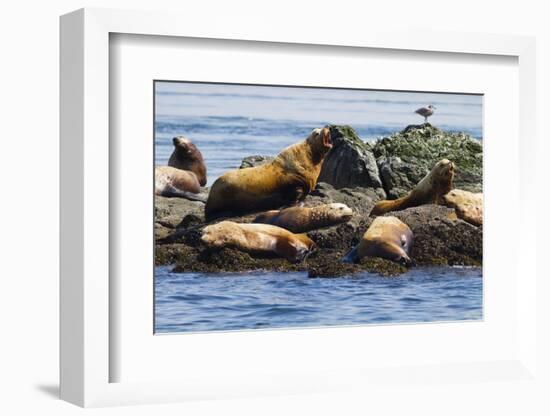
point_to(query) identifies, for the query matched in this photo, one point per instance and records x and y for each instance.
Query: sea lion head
(187, 156)
(445, 169)
(215, 235)
(443, 175)
(337, 213)
(301, 247)
(320, 141)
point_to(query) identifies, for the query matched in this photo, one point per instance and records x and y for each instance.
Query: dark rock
(172, 213)
(399, 177)
(350, 163)
(172, 253)
(257, 160)
(406, 157)
(440, 238)
(361, 200)
(333, 267)
(229, 260)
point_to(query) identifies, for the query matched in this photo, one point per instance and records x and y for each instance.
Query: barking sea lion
(283, 181)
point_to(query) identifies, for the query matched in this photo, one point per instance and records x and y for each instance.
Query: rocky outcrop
(176, 213)
(406, 157)
(350, 163)
(439, 238)
(359, 175)
(398, 176)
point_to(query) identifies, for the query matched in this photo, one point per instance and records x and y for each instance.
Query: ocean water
(230, 122)
(190, 302)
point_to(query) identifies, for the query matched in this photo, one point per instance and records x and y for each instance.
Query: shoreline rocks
(406, 157)
(440, 236)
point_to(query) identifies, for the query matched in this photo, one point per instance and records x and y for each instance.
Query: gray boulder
(174, 213)
(398, 176)
(351, 162)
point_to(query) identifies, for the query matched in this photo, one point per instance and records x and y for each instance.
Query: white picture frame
(86, 356)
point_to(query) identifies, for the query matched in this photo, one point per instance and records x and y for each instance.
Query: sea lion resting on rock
(186, 156)
(430, 190)
(258, 238)
(174, 182)
(468, 206)
(387, 237)
(185, 173)
(303, 219)
(283, 181)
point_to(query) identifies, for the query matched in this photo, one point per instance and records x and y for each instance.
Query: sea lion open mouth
(327, 141)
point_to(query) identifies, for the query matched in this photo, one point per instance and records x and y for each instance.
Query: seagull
(426, 112)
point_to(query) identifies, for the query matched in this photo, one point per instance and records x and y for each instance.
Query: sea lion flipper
(351, 257)
(171, 192)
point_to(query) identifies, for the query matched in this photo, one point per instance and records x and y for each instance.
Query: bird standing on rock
(426, 112)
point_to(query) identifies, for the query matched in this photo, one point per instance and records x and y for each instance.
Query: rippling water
(229, 122)
(195, 302)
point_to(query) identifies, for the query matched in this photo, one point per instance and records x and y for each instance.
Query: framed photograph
(282, 212)
(247, 252)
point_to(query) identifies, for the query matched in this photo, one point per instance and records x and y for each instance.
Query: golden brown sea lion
(286, 179)
(468, 206)
(186, 156)
(387, 237)
(258, 238)
(303, 219)
(430, 190)
(174, 182)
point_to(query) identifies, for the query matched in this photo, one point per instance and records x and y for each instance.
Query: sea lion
(468, 205)
(430, 190)
(186, 156)
(283, 181)
(303, 219)
(258, 238)
(172, 182)
(387, 237)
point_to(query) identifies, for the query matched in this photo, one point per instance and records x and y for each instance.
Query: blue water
(229, 122)
(188, 302)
